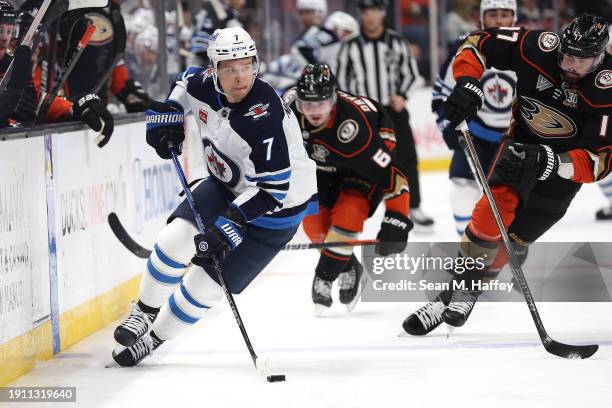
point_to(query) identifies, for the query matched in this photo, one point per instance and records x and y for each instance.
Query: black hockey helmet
(316, 83)
(585, 37)
(382, 4)
(7, 13)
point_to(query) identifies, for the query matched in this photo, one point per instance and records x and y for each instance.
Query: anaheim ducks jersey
(357, 140)
(570, 118)
(253, 148)
(493, 118)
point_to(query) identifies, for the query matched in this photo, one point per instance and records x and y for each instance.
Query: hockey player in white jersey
(490, 123)
(261, 185)
(316, 43)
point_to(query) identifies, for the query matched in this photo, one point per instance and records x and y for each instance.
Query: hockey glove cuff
(165, 125)
(464, 102)
(393, 234)
(222, 237)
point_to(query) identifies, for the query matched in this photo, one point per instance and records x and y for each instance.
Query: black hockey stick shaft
(134, 247)
(82, 44)
(215, 261)
(552, 346)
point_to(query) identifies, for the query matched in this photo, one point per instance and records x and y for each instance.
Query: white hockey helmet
(340, 21)
(229, 44)
(317, 5)
(498, 4)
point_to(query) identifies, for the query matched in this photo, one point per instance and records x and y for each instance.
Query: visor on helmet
(579, 65)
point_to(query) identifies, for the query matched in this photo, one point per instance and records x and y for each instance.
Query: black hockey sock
(147, 308)
(331, 264)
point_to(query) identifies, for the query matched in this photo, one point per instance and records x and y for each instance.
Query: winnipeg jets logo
(258, 111)
(217, 166)
(498, 90)
(497, 93)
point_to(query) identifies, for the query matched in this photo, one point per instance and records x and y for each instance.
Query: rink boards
(63, 275)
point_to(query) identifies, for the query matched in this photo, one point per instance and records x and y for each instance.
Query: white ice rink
(358, 360)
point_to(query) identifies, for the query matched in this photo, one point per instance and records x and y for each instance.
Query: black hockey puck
(275, 378)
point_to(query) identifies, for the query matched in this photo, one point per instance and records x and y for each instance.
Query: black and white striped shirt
(377, 68)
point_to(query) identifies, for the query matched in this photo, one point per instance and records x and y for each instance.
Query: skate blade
(351, 305)
(319, 310)
(424, 229)
(450, 330)
(403, 333)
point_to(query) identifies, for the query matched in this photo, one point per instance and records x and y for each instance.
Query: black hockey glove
(521, 166)
(393, 234)
(526, 162)
(463, 103)
(134, 97)
(165, 125)
(220, 238)
(92, 111)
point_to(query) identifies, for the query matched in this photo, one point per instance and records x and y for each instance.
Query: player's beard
(571, 77)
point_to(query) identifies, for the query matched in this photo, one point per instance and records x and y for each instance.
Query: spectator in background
(462, 19)
(342, 24)
(414, 21)
(529, 13)
(145, 68)
(214, 14)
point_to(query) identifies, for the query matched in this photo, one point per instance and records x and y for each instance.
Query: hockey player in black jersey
(559, 138)
(351, 139)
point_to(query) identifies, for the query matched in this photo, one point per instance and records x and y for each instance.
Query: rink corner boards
(19, 355)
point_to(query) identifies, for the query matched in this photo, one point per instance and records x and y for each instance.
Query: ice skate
(351, 285)
(130, 356)
(321, 295)
(428, 317)
(136, 325)
(461, 305)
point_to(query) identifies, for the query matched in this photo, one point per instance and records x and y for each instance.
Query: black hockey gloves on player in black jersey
(221, 238)
(463, 103)
(91, 110)
(134, 97)
(393, 234)
(521, 166)
(165, 126)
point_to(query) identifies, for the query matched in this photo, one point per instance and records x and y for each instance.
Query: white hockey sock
(190, 301)
(464, 195)
(167, 263)
(606, 188)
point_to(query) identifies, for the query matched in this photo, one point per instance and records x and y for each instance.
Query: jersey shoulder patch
(596, 92)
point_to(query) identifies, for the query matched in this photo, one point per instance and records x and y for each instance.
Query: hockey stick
(134, 247)
(260, 365)
(50, 12)
(552, 346)
(59, 83)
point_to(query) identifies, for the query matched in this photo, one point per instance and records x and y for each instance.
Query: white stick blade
(79, 4)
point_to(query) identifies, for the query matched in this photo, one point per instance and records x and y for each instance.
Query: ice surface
(358, 360)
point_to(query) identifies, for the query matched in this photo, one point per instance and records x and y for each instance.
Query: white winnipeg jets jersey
(317, 44)
(254, 148)
(493, 118)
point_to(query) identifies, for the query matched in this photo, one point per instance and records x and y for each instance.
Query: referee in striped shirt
(378, 64)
